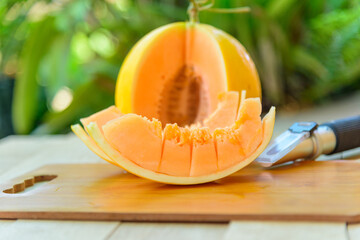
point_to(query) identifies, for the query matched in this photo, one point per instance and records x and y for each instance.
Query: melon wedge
(203, 157)
(131, 130)
(90, 143)
(176, 154)
(229, 151)
(225, 115)
(226, 112)
(184, 156)
(176, 72)
(100, 118)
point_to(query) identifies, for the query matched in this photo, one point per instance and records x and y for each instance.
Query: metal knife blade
(281, 146)
(307, 140)
(286, 142)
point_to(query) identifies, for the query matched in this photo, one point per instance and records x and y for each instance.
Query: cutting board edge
(175, 217)
(128, 215)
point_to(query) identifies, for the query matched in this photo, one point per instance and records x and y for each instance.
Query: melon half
(181, 155)
(175, 73)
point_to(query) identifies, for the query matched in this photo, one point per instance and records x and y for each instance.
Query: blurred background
(59, 59)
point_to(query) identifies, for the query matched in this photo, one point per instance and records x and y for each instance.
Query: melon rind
(241, 73)
(98, 137)
(89, 142)
(237, 63)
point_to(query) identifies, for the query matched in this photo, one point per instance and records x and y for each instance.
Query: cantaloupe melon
(203, 156)
(176, 152)
(227, 102)
(121, 131)
(226, 111)
(176, 72)
(184, 155)
(100, 118)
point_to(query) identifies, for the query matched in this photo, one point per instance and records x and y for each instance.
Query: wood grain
(314, 191)
(240, 230)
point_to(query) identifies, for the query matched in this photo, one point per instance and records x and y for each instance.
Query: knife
(308, 140)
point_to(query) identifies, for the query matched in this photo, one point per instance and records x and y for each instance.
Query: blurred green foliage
(305, 51)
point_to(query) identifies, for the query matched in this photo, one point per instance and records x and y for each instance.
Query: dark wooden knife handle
(347, 133)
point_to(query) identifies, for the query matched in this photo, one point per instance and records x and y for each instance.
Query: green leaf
(308, 63)
(26, 92)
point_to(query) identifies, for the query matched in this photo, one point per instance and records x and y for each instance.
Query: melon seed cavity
(184, 99)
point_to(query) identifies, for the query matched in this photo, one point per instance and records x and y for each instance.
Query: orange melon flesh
(249, 136)
(179, 73)
(243, 137)
(137, 139)
(248, 127)
(130, 166)
(226, 112)
(204, 54)
(176, 157)
(203, 159)
(250, 109)
(242, 99)
(175, 73)
(102, 117)
(191, 151)
(229, 150)
(200, 154)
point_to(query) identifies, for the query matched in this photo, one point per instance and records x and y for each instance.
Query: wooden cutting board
(311, 191)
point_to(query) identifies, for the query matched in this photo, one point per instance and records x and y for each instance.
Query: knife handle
(347, 133)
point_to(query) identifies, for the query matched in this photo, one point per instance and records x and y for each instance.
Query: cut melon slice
(267, 126)
(203, 159)
(176, 155)
(248, 125)
(229, 151)
(225, 114)
(100, 118)
(179, 155)
(136, 138)
(249, 109)
(90, 143)
(242, 99)
(227, 99)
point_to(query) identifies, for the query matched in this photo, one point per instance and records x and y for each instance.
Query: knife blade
(308, 140)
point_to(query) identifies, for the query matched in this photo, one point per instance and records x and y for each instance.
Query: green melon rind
(98, 137)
